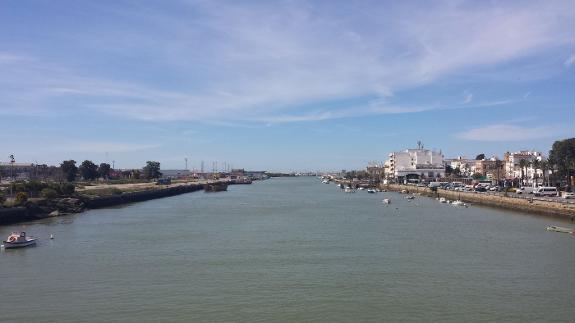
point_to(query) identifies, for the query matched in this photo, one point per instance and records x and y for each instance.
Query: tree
(562, 156)
(89, 170)
(448, 170)
(544, 168)
(69, 169)
(152, 170)
(104, 170)
(476, 176)
(480, 157)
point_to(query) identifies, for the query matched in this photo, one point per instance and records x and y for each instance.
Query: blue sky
(282, 85)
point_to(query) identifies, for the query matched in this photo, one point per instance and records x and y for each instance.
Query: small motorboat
(18, 240)
(560, 229)
(349, 190)
(371, 190)
(409, 197)
(386, 201)
(443, 200)
(458, 203)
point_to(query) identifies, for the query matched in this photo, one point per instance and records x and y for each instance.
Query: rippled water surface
(290, 250)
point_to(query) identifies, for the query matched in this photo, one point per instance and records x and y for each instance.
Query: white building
(514, 170)
(415, 164)
(465, 166)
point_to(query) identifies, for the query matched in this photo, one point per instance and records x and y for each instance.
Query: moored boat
(216, 187)
(18, 240)
(371, 190)
(560, 229)
(386, 201)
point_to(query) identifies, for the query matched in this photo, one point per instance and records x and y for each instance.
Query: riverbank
(94, 198)
(533, 206)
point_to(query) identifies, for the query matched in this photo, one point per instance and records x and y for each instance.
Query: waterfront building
(493, 168)
(529, 174)
(415, 165)
(465, 166)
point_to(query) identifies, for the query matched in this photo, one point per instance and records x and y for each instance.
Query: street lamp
(12, 161)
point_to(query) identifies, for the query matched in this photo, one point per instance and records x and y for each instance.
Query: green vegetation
(48, 193)
(104, 170)
(152, 170)
(103, 192)
(69, 169)
(562, 157)
(480, 157)
(89, 170)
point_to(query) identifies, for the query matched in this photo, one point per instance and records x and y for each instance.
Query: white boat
(371, 190)
(18, 240)
(458, 203)
(442, 200)
(409, 197)
(325, 181)
(361, 188)
(349, 190)
(386, 201)
(560, 229)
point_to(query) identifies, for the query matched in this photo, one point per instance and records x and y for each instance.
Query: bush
(21, 198)
(67, 189)
(49, 193)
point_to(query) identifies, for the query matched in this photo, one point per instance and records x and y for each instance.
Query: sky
(281, 85)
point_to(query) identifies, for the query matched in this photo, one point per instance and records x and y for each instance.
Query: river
(292, 250)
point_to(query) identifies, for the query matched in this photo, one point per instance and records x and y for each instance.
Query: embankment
(529, 205)
(62, 206)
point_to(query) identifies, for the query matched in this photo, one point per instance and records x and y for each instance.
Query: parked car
(480, 189)
(519, 190)
(568, 195)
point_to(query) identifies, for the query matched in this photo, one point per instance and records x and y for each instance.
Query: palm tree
(523, 165)
(536, 165)
(544, 167)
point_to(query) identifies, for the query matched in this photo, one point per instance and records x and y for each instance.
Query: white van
(545, 191)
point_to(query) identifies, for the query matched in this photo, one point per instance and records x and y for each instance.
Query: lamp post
(12, 161)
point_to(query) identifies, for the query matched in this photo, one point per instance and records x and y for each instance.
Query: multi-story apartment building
(513, 167)
(415, 164)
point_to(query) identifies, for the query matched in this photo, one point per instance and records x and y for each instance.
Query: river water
(291, 250)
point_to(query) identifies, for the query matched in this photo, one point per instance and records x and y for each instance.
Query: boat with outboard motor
(560, 229)
(18, 240)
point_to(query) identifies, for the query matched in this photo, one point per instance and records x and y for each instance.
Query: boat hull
(14, 245)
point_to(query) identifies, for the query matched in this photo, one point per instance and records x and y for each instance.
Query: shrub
(68, 189)
(21, 198)
(49, 193)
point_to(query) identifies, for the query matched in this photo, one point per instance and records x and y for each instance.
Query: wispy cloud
(269, 61)
(467, 97)
(98, 147)
(510, 132)
(569, 61)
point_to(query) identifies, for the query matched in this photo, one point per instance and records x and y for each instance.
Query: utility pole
(186, 159)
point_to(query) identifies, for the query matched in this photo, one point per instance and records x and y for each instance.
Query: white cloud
(276, 59)
(509, 132)
(570, 61)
